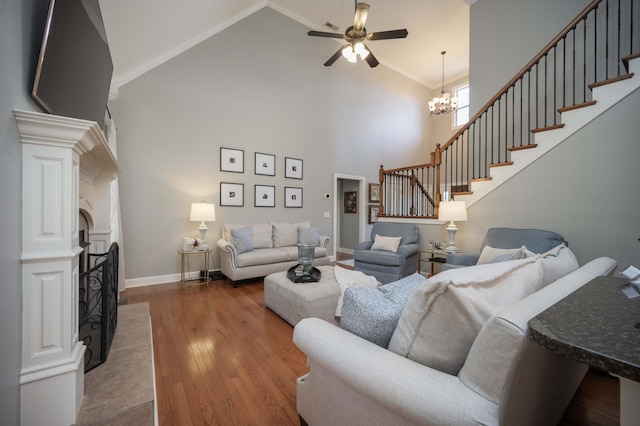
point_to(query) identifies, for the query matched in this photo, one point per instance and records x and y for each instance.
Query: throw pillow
(242, 239)
(348, 278)
(373, 312)
(386, 243)
(495, 255)
(307, 235)
(261, 234)
(556, 263)
(443, 316)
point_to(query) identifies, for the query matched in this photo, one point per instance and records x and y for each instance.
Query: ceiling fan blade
(334, 58)
(362, 10)
(371, 60)
(323, 34)
(386, 35)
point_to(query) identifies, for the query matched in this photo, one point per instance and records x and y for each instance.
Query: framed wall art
(231, 160)
(232, 194)
(265, 196)
(373, 213)
(292, 168)
(351, 202)
(292, 197)
(265, 164)
(374, 192)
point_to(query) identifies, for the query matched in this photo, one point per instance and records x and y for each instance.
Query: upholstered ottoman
(295, 301)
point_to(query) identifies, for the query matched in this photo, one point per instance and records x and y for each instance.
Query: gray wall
(586, 188)
(257, 86)
(506, 34)
(21, 24)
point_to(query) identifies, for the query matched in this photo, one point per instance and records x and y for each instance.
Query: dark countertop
(597, 324)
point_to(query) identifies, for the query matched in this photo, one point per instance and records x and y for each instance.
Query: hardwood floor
(222, 358)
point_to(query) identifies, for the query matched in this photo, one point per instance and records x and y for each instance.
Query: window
(461, 114)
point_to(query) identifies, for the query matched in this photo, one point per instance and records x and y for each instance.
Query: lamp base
(452, 229)
(203, 233)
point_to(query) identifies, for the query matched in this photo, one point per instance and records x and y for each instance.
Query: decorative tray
(297, 277)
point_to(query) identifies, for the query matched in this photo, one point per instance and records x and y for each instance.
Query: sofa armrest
(408, 250)
(324, 241)
(463, 259)
(364, 245)
(419, 393)
(228, 250)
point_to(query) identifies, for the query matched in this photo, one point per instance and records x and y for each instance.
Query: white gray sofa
(257, 250)
(504, 378)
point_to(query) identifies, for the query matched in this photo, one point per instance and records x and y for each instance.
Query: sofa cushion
(292, 252)
(242, 239)
(260, 234)
(444, 315)
(373, 312)
(379, 257)
(307, 235)
(286, 234)
(261, 257)
(381, 242)
(492, 255)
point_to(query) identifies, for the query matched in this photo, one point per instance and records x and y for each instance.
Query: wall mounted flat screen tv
(74, 70)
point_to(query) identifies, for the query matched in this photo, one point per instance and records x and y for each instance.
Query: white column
(52, 375)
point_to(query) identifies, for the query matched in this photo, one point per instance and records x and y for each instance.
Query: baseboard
(166, 279)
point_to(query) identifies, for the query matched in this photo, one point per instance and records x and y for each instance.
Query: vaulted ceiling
(145, 33)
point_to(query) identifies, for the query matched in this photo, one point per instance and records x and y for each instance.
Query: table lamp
(452, 210)
(203, 212)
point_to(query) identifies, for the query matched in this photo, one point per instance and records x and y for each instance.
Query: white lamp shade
(452, 210)
(203, 212)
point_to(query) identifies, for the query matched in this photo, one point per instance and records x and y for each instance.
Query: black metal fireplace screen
(99, 305)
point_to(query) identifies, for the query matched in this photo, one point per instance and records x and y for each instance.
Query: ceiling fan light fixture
(361, 50)
(349, 54)
(443, 104)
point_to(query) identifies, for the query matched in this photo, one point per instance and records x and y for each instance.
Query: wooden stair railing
(592, 50)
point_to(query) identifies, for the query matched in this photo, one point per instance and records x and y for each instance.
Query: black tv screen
(74, 70)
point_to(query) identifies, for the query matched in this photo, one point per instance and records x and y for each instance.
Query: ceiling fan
(355, 36)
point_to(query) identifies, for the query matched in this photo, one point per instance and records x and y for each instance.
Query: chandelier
(444, 103)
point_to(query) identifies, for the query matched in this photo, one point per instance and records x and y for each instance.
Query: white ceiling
(145, 33)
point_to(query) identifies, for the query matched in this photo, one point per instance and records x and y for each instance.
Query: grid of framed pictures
(265, 164)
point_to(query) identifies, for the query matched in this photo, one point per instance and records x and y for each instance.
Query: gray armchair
(388, 266)
(536, 240)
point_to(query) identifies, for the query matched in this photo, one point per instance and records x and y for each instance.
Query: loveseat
(252, 251)
(426, 377)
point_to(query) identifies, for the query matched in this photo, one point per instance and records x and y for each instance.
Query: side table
(432, 256)
(184, 266)
(598, 325)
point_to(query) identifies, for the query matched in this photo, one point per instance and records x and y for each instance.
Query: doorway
(348, 228)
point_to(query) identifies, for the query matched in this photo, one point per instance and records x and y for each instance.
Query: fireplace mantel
(57, 153)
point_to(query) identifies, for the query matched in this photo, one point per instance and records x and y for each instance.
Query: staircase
(586, 69)
(604, 97)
